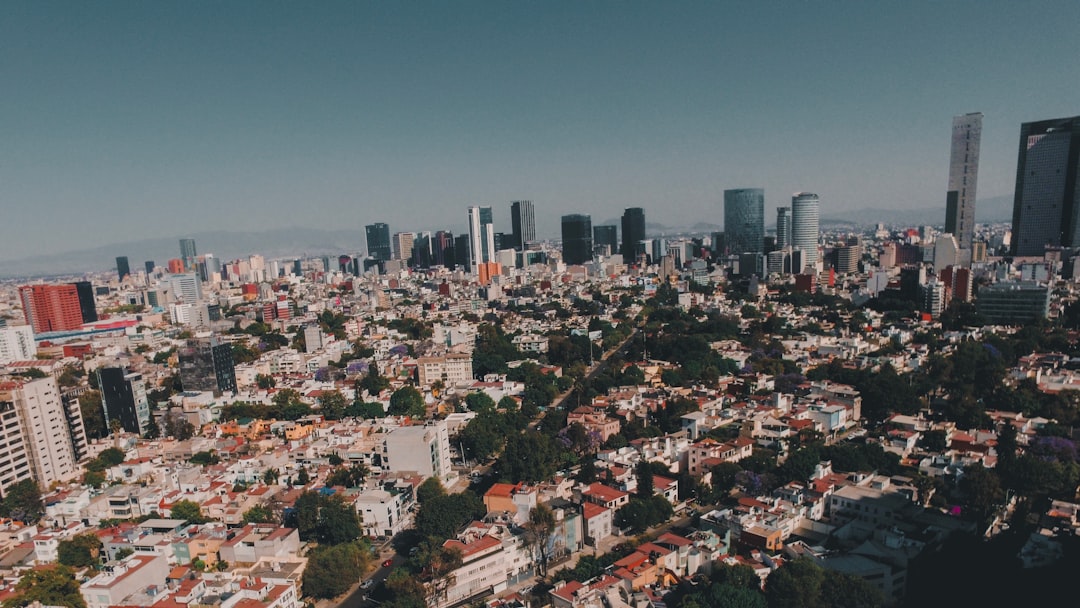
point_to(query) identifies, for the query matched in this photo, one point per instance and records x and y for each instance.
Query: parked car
(388, 563)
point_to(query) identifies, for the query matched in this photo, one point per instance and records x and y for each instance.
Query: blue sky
(126, 120)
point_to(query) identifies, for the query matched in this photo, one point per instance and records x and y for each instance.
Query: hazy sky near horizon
(127, 120)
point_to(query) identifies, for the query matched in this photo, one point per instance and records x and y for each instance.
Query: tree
(407, 401)
(438, 572)
(259, 514)
(337, 522)
(93, 414)
(178, 427)
(479, 402)
(265, 382)
(538, 531)
(644, 479)
(333, 569)
(349, 477)
(304, 515)
(79, 552)
(204, 458)
(332, 405)
(431, 488)
(981, 488)
(373, 382)
(48, 586)
(22, 501)
(188, 511)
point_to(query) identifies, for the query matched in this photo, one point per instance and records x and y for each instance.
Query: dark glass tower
(744, 220)
(1046, 203)
(633, 232)
(123, 269)
(523, 223)
(606, 236)
(86, 301)
(187, 253)
(577, 243)
(207, 365)
(378, 241)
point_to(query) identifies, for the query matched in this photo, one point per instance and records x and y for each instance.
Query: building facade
(744, 220)
(963, 177)
(606, 237)
(49, 308)
(424, 450)
(522, 223)
(633, 232)
(1046, 209)
(378, 241)
(123, 395)
(481, 237)
(806, 226)
(43, 423)
(783, 227)
(577, 243)
(17, 344)
(206, 364)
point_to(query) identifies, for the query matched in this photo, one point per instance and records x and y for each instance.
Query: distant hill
(993, 209)
(226, 245)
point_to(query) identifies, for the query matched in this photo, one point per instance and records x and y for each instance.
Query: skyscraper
(124, 397)
(187, 253)
(45, 436)
(443, 248)
(805, 225)
(523, 223)
(1046, 203)
(87, 304)
(577, 243)
(378, 241)
(123, 269)
(963, 175)
(149, 265)
(403, 245)
(606, 236)
(633, 232)
(481, 237)
(783, 227)
(744, 220)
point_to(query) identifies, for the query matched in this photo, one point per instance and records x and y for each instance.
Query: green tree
(79, 552)
(332, 405)
(430, 488)
(333, 569)
(337, 523)
(22, 501)
(304, 515)
(374, 383)
(407, 401)
(259, 514)
(538, 531)
(265, 382)
(479, 402)
(529, 457)
(189, 511)
(49, 586)
(93, 414)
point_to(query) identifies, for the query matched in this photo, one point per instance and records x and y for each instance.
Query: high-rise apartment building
(1046, 202)
(523, 223)
(206, 364)
(15, 457)
(783, 227)
(188, 254)
(123, 268)
(44, 429)
(378, 241)
(51, 307)
(17, 344)
(186, 286)
(744, 220)
(963, 176)
(123, 395)
(806, 225)
(403, 245)
(577, 243)
(481, 237)
(607, 237)
(633, 232)
(87, 304)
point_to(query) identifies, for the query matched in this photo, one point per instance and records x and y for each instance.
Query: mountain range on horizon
(303, 241)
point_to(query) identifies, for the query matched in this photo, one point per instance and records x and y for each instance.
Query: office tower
(187, 253)
(87, 306)
(718, 247)
(403, 245)
(124, 397)
(378, 241)
(481, 237)
(523, 223)
(963, 175)
(744, 220)
(606, 236)
(206, 364)
(123, 269)
(51, 307)
(421, 251)
(442, 248)
(186, 287)
(805, 226)
(44, 426)
(463, 251)
(577, 244)
(633, 232)
(783, 227)
(1046, 209)
(149, 265)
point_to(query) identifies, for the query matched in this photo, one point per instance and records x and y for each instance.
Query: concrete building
(963, 177)
(44, 424)
(17, 344)
(403, 245)
(124, 397)
(452, 369)
(523, 224)
(378, 241)
(17, 465)
(121, 580)
(206, 364)
(424, 450)
(1013, 302)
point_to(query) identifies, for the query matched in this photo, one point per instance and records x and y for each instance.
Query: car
(388, 563)
(368, 584)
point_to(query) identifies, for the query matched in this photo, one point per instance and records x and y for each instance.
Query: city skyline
(328, 115)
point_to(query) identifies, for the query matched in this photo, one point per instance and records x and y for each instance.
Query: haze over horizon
(125, 121)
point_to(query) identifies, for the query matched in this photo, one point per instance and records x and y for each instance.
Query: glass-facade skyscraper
(378, 241)
(963, 175)
(577, 242)
(606, 236)
(806, 225)
(744, 220)
(783, 227)
(522, 223)
(123, 268)
(188, 254)
(1046, 203)
(481, 236)
(633, 232)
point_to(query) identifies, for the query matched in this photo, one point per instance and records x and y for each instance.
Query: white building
(45, 434)
(119, 581)
(452, 369)
(383, 513)
(17, 344)
(424, 450)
